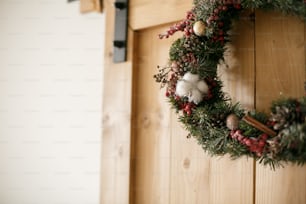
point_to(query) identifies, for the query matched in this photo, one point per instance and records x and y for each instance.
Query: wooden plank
(151, 131)
(147, 13)
(116, 142)
(233, 181)
(190, 168)
(280, 70)
(194, 177)
(90, 6)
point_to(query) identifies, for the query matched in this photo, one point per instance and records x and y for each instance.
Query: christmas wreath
(195, 91)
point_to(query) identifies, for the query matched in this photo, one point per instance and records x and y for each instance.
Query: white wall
(50, 102)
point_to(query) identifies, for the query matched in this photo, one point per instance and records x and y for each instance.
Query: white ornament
(192, 78)
(183, 88)
(199, 28)
(196, 96)
(203, 87)
(192, 87)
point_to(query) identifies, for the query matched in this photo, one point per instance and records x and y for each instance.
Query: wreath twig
(195, 90)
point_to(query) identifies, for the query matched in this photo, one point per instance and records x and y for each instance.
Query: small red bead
(261, 143)
(264, 137)
(247, 142)
(240, 138)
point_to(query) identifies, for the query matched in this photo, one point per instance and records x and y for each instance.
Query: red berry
(209, 95)
(247, 142)
(232, 134)
(261, 143)
(221, 38)
(237, 6)
(187, 106)
(240, 138)
(264, 137)
(235, 136)
(238, 132)
(253, 148)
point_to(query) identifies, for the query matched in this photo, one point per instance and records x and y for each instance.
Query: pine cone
(282, 117)
(217, 120)
(274, 147)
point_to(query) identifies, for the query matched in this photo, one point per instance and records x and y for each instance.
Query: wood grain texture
(148, 13)
(280, 71)
(157, 164)
(151, 126)
(167, 167)
(90, 6)
(234, 180)
(116, 128)
(190, 168)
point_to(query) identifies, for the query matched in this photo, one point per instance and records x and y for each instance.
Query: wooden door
(146, 156)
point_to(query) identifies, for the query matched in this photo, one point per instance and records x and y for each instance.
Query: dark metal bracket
(120, 40)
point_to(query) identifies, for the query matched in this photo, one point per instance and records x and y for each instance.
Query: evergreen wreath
(195, 91)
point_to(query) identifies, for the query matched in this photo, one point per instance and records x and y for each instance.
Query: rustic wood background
(146, 155)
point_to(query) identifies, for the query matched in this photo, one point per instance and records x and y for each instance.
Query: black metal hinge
(120, 39)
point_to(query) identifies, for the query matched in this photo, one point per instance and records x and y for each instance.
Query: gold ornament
(232, 122)
(199, 28)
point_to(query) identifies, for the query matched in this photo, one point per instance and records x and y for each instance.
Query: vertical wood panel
(280, 70)
(115, 164)
(192, 177)
(190, 168)
(151, 129)
(232, 181)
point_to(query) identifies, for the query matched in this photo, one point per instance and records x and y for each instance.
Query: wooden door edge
(87, 6)
(116, 125)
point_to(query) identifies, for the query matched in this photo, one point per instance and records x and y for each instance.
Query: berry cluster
(184, 26)
(217, 17)
(183, 105)
(255, 145)
(187, 108)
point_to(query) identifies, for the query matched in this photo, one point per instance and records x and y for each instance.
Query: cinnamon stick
(258, 125)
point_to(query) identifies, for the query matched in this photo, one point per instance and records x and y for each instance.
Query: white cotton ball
(202, 86)
(196, 96)
(183, 88)
(192, 78)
